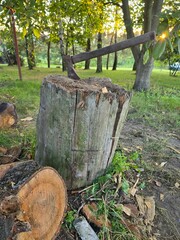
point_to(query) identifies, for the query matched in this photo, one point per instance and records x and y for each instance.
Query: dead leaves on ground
(9, 155)
(146, 208)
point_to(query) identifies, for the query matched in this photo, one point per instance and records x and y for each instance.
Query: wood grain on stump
(79, 125)
(33, 201)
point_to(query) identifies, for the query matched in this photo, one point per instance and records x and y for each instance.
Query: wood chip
(26, 119)
(104, 90)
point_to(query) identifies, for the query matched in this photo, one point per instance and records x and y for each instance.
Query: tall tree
(99, 59)
(88, 48)
(151, 14)
(116, 25)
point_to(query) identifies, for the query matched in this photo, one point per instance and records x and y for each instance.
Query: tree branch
(156, 10)
(147, 15)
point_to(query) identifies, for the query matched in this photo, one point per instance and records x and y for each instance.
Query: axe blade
(70, 69)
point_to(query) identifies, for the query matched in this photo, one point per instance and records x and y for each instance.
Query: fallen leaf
(162, 164)
(104, 90)
(132, 228)
(159, 184)
(118, 180)
(11, 155)
(126, 149)
(26, 119)
(141, 205)
(139, 148)
(125, 209)
(153, 238)
(90, 211)
(133, 190)
(161, 197)
(130, 210)
(177, 185)
(150, 212)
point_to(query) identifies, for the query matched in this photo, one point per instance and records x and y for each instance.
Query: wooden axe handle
(114, 47)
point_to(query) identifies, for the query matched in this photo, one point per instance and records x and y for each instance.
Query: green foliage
(159, 49)
(125, 186)
(119, 163)
(157, 108)
(70, 217)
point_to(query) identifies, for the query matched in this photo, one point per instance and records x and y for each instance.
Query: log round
(33, 202)
(78, 126)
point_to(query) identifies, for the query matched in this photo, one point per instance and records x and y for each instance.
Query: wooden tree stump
(78, 127)
(32, 202)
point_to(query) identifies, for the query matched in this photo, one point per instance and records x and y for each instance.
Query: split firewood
(8, 115)
(84, 230)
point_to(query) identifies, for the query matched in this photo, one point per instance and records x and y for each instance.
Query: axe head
(70, 69)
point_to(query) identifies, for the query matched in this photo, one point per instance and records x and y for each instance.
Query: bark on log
(78, 126)
(32, 202)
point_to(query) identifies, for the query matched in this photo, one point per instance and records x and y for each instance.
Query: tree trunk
(33, 206)
(129, 27)
(115, 54)
(48, 53)
(107, 61)
(30, 51)
(99, 59)
(73, 115)
(143, 74)
(15, 43)
(61, 43)
(152, 10)
(88, 49)
(134, 66)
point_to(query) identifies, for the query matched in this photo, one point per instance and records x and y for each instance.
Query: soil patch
(160, 152)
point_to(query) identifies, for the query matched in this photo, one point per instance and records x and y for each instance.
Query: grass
(159, 107)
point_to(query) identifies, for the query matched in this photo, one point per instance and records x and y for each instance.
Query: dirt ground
(161, 155)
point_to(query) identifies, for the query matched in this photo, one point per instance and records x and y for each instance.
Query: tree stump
(32, 202)
(78, 126)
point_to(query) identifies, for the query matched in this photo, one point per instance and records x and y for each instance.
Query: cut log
(78, 127)
(8, 115)
(33, 202)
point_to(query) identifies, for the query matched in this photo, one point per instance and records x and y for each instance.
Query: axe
(70, 60)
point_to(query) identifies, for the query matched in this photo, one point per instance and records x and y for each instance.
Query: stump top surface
(92, 84)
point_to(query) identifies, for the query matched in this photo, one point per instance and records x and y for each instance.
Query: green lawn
(159, 107)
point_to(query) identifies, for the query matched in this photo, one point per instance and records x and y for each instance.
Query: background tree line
(83, 25)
